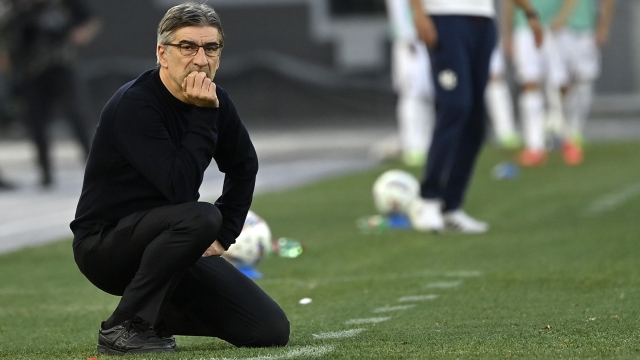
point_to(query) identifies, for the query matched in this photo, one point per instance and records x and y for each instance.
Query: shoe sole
(102, 349)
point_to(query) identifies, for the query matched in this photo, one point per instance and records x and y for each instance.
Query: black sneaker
(133, 337)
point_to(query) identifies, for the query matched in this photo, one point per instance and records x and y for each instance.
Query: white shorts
(411, 69)
(580, 54)
(497, 66)
(533, 65)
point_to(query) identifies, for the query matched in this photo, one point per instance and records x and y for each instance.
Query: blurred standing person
(411, 74)
(580, 42)
(500, 103)
(44, 36)
(6, 116)
(460, 35)
(540, 73)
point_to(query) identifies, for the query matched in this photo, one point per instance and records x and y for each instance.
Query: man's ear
(162, 55)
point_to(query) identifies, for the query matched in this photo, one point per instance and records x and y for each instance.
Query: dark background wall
(278, 70)
(270, 65)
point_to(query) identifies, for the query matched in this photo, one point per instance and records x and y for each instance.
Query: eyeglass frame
(212, 44)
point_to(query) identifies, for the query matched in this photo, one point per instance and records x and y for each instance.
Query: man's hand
(604, 21)
(532, 17)
(199, 90)
(538, 33)
(427, 30)
(215, 249)
(602, 35)
(424, 25)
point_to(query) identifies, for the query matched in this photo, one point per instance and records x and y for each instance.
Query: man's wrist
(531, 14)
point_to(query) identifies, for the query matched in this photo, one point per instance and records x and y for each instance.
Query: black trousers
(57, 86)
(153, 259)
(460, 71)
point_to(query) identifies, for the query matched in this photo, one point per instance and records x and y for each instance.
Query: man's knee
(204, 217)
(277, 333)
(280, 332)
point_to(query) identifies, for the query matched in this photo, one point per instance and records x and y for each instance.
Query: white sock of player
(500, 108)
(415, 123)
(531, 103)
(578, 106)
(555, 121)
(429, 120)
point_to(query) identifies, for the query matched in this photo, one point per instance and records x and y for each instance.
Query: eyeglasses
(211, 50)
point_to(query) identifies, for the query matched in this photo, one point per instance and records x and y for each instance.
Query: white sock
(429, 120)
(578, 105)
(555, 121)
(415, 123)
(531, 105)
(500, 108)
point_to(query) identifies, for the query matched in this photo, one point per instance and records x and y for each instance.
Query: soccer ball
(253, 243)
(394, 191)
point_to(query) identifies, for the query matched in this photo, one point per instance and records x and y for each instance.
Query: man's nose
(200, 58)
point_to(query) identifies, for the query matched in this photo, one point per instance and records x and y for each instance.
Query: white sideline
(338, 334)
(444, 284)
(612, 201)
(412, 298)
(392, 308)
(305, 351)
(373, 320)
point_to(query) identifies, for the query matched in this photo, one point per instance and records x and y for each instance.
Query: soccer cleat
(459, 221)
(532, 158)
(133, 337)
(572, 153)
(426, 215)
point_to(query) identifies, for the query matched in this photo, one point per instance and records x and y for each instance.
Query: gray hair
(187, 14)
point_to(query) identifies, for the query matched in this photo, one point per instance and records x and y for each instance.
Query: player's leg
(69, 98)
(143, 259)
(412, 129)
(499, 103)
(215, 299)
(531, 103)
(586, 62)
(451, 74)
(556, 81)
(472, 134)
(40, 97)
(415, 108)
(586, 65)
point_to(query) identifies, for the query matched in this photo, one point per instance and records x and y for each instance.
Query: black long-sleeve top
(151, 149)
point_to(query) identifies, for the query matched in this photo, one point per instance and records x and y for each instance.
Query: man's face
(178, 66)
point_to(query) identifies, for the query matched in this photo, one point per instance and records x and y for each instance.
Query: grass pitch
(558, 275)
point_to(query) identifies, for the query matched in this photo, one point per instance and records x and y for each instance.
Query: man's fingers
(196, 81)
(214, 249)
(200, 90)
(190, 80)
(206, 84)
(200, 79)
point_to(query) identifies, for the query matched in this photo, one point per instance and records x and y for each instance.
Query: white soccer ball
(253, 243)
(394, 191)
